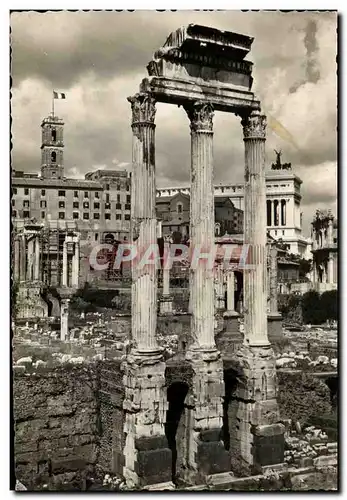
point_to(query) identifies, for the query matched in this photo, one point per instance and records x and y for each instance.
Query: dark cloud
(99, 58)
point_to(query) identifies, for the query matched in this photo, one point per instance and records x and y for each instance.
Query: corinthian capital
(254, 126)
(200, 115)
(143, 108)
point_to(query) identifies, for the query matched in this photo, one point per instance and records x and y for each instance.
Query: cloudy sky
(99, 59)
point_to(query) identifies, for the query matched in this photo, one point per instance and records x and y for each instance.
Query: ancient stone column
(65, 268)
(64, 318)
(253, 403)
(230, 282)
(207, 386)
(146, 455)
(16, 270)
(23, 257)
(37, 259)
(76, 264)
(30, 260)
(143, 222)
(166, 298)
(202, 223)
(255, 279)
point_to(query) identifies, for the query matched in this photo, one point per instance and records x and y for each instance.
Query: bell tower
(52, 147)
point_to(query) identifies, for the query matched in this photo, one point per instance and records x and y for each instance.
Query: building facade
(283, 200)
(174, 214)
(325, 251)
(99, 204)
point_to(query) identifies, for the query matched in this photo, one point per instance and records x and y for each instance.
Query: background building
(325, 251)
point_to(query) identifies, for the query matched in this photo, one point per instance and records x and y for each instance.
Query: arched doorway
(175, 427)
(230, 384)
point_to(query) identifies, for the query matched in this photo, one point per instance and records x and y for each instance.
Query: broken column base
(165, 304)
(274, 326)
(207, 454)
(230, 339)
(30, 304)
(147, 457)
(256, 435)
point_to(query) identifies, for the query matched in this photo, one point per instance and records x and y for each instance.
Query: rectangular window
(127, 206)
(61, 192)
(96, 236)
(43, 215)
(96, 195)
(26, 215)
(107, 187)
(127, 217)
(128, 187)
(13, 202)
(62, 204)
(118, 198)
(75, 194)
(61, 215)
(86, 216)
(14, 213)
(107, 198)
(118, 206)
(107, 216)
(107, 206)
(97, 206)
(43, 204)
(14, 190)
(43, 192)
(75, 215)
(128, 198)
(75, 204)
(26, 204)
(96, 216)
(26, 191)
(86, 194)
(86, 204)
(118, 216)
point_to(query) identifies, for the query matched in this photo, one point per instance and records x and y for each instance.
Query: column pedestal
(147, 457)
(206, 453)
(256, 436)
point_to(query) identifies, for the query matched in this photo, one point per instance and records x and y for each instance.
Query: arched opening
(54, 135)
(53, 157)
(175, 429)
(229, 419)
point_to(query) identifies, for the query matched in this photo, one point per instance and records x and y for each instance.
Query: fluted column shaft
(230, 279)
(166, 271)
(273, 280)
(255, 279)
(76, 264)
(143, 221)
(202, 223)
(65, 268)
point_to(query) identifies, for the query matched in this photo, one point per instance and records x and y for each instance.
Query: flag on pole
(58, 95)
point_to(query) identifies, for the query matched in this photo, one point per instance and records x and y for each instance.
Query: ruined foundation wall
(55, 423)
